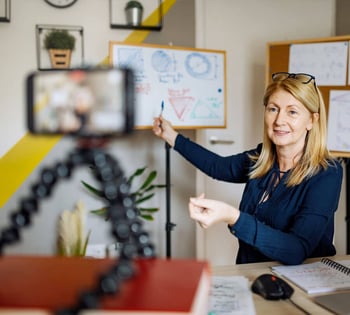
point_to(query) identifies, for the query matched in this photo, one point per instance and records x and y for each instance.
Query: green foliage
(144, 192)
(59, 39)
(133, 4)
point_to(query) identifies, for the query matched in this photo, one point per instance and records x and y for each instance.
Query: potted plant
(72, 239)
(60, 44)
(143, 193)
(133, 11)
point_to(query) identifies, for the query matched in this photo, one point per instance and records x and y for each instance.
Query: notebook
(322, 276)
(338, 303)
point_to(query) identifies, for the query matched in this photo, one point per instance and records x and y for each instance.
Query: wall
(236, 26)
(342, 26)
(243, 28)
(18, 57)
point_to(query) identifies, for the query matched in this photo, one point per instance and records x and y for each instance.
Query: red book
(160, 286)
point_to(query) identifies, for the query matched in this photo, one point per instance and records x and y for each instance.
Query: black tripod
(168, 224)
(125, 225)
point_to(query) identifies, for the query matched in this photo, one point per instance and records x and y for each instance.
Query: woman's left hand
(207, 212)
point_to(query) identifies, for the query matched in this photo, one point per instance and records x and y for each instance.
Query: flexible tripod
(126, 228)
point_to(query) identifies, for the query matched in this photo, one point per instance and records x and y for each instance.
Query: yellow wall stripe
(20, 161)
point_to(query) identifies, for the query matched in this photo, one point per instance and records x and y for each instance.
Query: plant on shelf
(134, 11)
(144, 192)
(133, 4)
(59, 39)
(60, 44)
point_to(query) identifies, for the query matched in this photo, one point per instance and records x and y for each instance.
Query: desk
(281, 307)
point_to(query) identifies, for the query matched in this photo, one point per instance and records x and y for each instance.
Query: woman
(292, 183)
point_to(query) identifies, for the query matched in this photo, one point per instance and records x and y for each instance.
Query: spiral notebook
(322, 276)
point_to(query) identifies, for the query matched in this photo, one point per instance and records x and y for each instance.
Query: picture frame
(5, 11)
(43, 56)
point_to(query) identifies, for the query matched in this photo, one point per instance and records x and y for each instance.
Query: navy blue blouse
(293, 224)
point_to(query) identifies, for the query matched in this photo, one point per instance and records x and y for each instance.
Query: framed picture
(45, 56)
(5, 10)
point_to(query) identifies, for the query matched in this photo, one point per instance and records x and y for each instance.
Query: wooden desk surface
(281, 307)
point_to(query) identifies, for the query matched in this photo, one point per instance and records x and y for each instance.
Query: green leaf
(160, 186)
(76, 249)
(143, 193)
(133, 4)
(149, 188)
(140, 200)
(86, 243)
(138, 172)
(150, 210)
(93, 190)
(59, 39)
(147, 217)
(148, 180)
(100, 212)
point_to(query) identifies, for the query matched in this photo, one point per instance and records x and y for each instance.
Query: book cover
(160, 286)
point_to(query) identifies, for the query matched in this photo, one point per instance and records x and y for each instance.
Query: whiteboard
(190, 83)
(338, 121)
(326, 61)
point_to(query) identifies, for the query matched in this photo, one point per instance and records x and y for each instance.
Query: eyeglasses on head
(304, 78)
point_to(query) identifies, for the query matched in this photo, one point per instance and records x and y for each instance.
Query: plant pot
(103, 250)
(60, 58)
(134, 16)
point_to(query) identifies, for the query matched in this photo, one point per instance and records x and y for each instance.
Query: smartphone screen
(83, 102)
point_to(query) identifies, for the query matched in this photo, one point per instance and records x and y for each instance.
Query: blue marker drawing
(162, 108)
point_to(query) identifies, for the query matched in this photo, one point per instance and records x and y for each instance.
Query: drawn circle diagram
(198, 65)
(162, 62)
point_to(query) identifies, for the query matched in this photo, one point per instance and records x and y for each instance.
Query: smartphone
(90, 102)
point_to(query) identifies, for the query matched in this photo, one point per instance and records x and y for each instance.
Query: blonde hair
(315, 154)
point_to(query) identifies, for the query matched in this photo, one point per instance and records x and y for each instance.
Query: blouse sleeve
(234, 168)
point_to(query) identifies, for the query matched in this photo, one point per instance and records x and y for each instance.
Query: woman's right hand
(208, 212)
(163, 129)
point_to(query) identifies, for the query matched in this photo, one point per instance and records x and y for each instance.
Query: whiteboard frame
(114, 45)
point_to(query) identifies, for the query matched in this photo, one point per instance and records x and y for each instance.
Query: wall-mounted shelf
(152, 15)
(5, 11)
(43, 57)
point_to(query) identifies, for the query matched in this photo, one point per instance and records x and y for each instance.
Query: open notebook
(322, 276)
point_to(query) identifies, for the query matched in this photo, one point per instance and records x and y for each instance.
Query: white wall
(243, 28)
(18, 57)
(18, 52)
